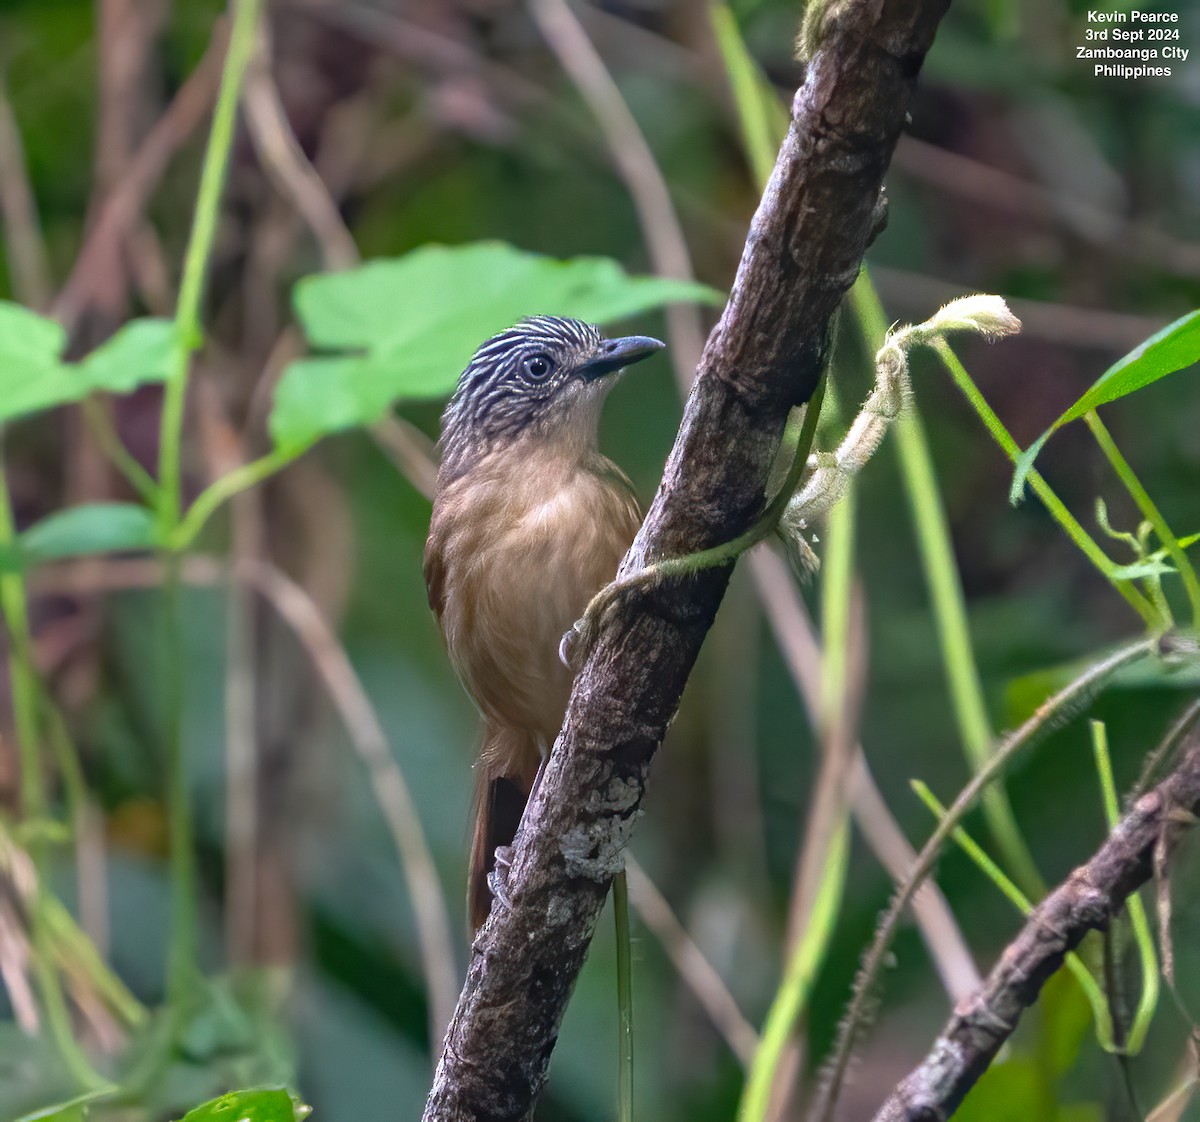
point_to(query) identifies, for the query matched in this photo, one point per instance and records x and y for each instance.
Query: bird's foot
(568, 646)
(497, 879)
(577, 644)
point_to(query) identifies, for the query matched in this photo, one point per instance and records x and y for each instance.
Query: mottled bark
(1087, 900)
(806, 243)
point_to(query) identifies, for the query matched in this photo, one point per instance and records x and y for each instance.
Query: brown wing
(435, 567)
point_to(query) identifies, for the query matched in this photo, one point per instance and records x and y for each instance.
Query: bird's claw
(497, 879)
(568, 645)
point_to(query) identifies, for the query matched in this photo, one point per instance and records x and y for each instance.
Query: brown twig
(700, 975)
(27, 264)
(119, 213)
(1086, 901)
(635, 163)
(988, 186)
(763, 359)
(287, 166)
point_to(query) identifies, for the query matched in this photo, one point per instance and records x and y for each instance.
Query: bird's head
(544, 377)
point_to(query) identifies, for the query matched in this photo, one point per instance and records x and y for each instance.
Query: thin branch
(27, 265)
(636, 164)
(1067, 701)
(119, 214)
(287, 166)
(223, 453)
(1087, 900)
(15, 968)
(410, 450)
(391, 790)
(764, 358)
(980, 183)
(701, 977)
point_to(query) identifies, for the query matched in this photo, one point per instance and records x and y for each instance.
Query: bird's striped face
(544, 374)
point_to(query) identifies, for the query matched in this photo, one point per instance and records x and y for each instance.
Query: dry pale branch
(765, 356)
(1087, 900)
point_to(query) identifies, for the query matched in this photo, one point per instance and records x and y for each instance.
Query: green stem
(223, 489)
(1148, 1002)
(812, 943)
(620, 891)
(1149, 510)
(731, 550)
(949, 606)
(98, 420)
(837, 590)
(182, 966)
(196, 261)
(72, 942)
(22, 674)
(797, 985)
(1042, 489)
(762, 117)
(67, 758)
(25, 689)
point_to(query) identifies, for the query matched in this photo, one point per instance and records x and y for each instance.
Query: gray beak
(616, 354)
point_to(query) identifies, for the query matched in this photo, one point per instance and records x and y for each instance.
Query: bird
(529, 521)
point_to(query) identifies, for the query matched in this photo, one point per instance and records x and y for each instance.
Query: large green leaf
(1175, 347)
(264, 1105)
(414, 321)
(91, 528)
(33, 375)
(140, 352)
(27, 337)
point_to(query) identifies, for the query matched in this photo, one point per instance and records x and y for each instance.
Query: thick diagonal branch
(1087, 900)
(804, 249)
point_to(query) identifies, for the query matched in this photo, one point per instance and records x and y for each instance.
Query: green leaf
(1175, 347)
(263, 1105)
(26, 336)
(92, 528)
(140, 352)
(32, 374)
(413, 323)
(34, 377)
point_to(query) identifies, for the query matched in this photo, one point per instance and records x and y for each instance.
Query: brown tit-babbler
(529, 522)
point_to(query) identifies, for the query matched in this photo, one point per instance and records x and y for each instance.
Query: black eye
(538, 367)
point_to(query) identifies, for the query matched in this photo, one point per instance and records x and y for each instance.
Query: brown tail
(503, 778)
